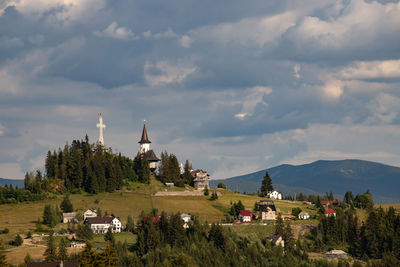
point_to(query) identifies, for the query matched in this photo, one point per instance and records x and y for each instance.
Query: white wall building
(274, 195)
(100, 225)
(89, 214)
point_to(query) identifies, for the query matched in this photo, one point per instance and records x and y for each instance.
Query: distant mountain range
(323, 176)
(14, 182)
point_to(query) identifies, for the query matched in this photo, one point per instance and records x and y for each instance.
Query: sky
(233, 86)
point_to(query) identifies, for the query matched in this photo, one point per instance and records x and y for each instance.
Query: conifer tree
(109, 237)
(50, 253)
(266, 185)
(27, 259)
(88, 256)
(187, 174)
(62, 249)
(130, 225)
(279, 226)
(66, 204)
(109, 256)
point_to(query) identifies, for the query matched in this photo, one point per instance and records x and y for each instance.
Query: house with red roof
(330, 212)
(245, 216)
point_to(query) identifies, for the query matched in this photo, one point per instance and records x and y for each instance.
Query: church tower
(144, 141)
(145, 149)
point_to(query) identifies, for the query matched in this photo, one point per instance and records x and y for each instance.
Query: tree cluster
(377, 236)
(82, 165)
(8, 195)
(170, 172)
(51, 216)
(162, 241)
(236, 208)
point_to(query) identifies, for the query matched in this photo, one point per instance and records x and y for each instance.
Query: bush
(5, 231)
(18, 241)
(206, 191)
(221, 185)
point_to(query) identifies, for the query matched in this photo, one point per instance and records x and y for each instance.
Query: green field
(132, 200)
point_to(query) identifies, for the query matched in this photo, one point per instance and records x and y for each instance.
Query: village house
(186, 219)
(304, 215)
(89, 214)
(267, 210)
(69, 217)
(245, 216)
(201, 179)
(330, 212)
(274, 195)
(336, 254)
(100, 225)
(277, 240)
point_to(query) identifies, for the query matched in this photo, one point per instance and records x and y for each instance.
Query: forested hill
(13, 182)
(323, 176)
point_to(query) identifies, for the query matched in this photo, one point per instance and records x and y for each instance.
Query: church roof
(145, 138)
(150, 155)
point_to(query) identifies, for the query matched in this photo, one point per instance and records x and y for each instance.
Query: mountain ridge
(323, 176)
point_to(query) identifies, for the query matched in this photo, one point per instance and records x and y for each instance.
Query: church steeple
(145, 138)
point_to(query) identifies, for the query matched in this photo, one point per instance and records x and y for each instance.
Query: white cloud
(249, 31)
(250, 98)
(166, 72)
(296, 70)
(186, 41)
(359, 24)
(11, 171)
(113, 31)
(384, 108)
(333, 89)
(65, 10)
(372, 70)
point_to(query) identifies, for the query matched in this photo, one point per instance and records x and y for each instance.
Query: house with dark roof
(245, 216)
(267, 210)
(201, 179)
(145, 149)
(101, 225)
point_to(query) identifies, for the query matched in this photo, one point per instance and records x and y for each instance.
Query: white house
(89, 214)
(245, 216)
(100, 225)
(274, 195)
(304, 215)
(186, 219)
(277, 240)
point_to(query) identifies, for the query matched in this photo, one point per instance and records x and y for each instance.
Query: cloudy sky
(234, 86)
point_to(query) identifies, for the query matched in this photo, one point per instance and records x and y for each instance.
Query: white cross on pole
(101, 126)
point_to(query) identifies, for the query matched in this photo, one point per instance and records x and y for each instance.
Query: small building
(101, 225)
(186, 219)
(78, 245)
(336, 254)
(245, 216)
(274, 195)
(277, 240)
(89, 214)
(267, 210)
(330, 212)
(287, 217)
(69, 217)
(170, 184)
(201, 179)
(304, 215)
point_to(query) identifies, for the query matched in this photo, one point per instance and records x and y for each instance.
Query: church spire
(145, 138)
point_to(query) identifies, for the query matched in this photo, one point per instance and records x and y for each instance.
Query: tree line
(89, 167)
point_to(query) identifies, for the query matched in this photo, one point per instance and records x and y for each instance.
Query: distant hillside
(14, 182)
(323, 176)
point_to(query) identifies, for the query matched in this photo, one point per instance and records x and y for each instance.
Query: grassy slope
(21, 218)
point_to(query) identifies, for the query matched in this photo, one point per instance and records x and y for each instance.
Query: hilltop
(13, 182)
(323, 176)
